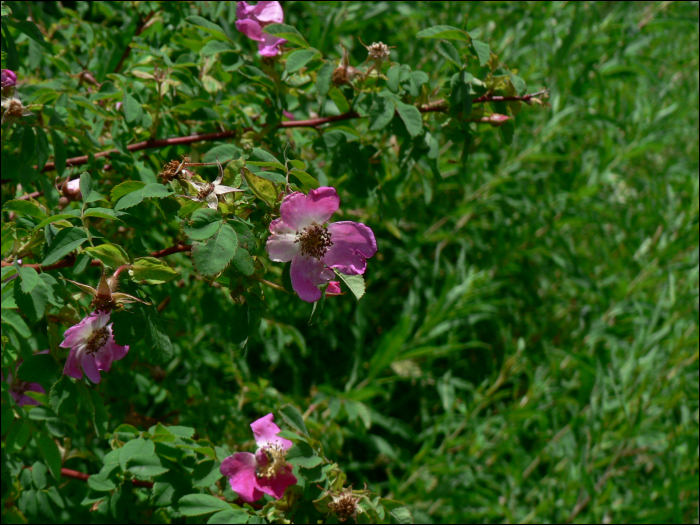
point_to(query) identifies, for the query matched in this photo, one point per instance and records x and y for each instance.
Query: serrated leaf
(289, 33)
(149, 191)
(67, 240)
(59, 152)
(26, 207)
(32, 304)
(411, 118)
(299, 58)
(13, 319)
(204, 223)
(214, 256)
(49, 451)
(29, 278)
(102, 213)
(230, 516)
(381, 113)
(138, 446)
(306, 179)
(199, 504)
(214, 47)
(356, 283)
(392, 78)
(85, 185)
(481, 50)
(125, 188)
(63, 395)
(162, 349)
(263, 189)
(112, 255)
(70, 214)
(39, 368)
(293, 418)
(449, 51)
(260, 155)
(146, 466)
(206, 473)
(323, 78)
(448, 32)
(152, 271)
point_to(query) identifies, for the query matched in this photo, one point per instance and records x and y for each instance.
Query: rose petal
(307, 273)
(269, 12)
(250, 28)
(71, 368)
(265, 432)
(244, 10)
(104, 358)
(240, 471)
(353, 243)
(212, 201)
(221, 190)
(90, 368)
(269, 45)
(281, 246)
(276, 486)
(79, 333)
(333, 288)
(299, 211)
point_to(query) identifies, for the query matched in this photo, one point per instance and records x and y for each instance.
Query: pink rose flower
(300, 236)
(266, 471)
(9, 78)
(252, 19)
(92, 347)
(19, 387)
(333, 289)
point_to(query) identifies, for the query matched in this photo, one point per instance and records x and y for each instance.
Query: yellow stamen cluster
(276, 461)
(98, 340)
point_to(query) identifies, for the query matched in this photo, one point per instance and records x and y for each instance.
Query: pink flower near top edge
(9, 78)
(252, 19)
(92, 347)
(266, 471)
(301, 236)
(18, 388)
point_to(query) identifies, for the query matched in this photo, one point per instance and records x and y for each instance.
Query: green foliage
(524, 347)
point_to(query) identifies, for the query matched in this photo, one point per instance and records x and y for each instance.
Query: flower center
(205, 191)
(275, 456)
(98, 340)
(315, 241)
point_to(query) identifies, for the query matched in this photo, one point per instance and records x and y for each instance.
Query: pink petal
(240, 471)
(90, 368)
(353, 243)
(276, 486)
(118, 351)
(281, 246)
(299, 211)
(244, 10)
(104, 358)
(269, 12)
(269, 46)
(78, 333)
(265, 432)
(71, 369)
(333, 288)
(307, 273)
(250, 28)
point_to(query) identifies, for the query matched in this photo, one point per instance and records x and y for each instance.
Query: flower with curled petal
(209, 191)
(266, 471)
(301, 236)
(252, 19)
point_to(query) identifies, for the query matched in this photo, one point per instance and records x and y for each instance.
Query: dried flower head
(378, 53)
(172, 170)
(344, 73)
(345, 504)
(209, 191)
(13, 109)
(106, 297)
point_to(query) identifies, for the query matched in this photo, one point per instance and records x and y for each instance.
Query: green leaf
(214, 47)
(136, 447)
(224, 152)
(262, 188)
(70, 214)
(339, 99)
(63, 396)
(392, 78)
(67, 240)
(397, 510)
(59, 152)
(303, 455)
(102, 213)
(411, 117)
(29, 278)
(149, 191)
(39, 368)
(124, 189)
(49, 451)
(447, 32)
(39, 472)
(146, 466)
(100, 417)
(230, 516)
(100, 484)
(33, 304)
(381, 113)
(243, 263)
(85, 185)
(204, 223)
(481, 50)
(42, 148)
(112, 255)
(206, 473)
(25, 207)
(198, 504)
(152, 271)
(162, 348)
(299, 58)
(323, 78)
(356, 283)
(213, 257)
(293, 418)
(128, 328)
(306, 179)
(289, 33)
(32, 31)
(449, 51)
(12, 55)
(133, 111)
(260, 155)
(271, 176)
(212, 29)
(14, 320)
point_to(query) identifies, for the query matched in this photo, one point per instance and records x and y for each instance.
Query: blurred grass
(527, 350)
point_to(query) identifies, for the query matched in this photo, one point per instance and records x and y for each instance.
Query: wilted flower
(252, 19)
(208, 191)
(9, 78)
(92, 347)
(378, 53)
(301, 236)
(13, 109)
(265, 471)
(344, 73)
(18, 388)
(345, 504)
(105, 297)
